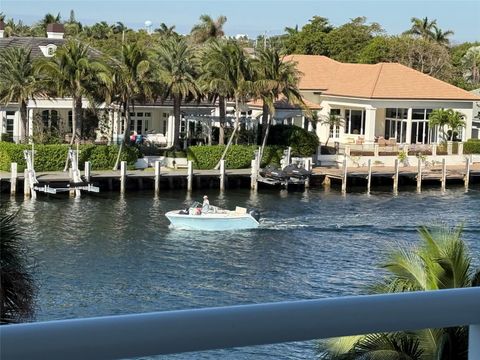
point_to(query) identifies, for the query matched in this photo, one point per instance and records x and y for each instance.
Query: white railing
(246, 325)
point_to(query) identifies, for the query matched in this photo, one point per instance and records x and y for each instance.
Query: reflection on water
(108, 254)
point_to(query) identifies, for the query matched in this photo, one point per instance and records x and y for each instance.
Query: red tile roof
(378, 81)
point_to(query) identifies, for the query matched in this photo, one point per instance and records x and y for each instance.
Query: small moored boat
(215, 219)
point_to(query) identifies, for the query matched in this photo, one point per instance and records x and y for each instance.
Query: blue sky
(255, 17)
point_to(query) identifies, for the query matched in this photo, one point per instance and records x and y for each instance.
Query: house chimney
(2, 28)
(55, 31)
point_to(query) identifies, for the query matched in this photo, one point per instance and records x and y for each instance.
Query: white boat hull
(212, 222)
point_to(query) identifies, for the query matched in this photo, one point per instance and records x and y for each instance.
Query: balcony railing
(170, 332)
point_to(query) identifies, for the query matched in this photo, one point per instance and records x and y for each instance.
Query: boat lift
(33, 182)
(76, 184)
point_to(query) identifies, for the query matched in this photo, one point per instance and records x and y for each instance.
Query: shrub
(237, 157)
(302, 142)
(52, 157)
(472, 146)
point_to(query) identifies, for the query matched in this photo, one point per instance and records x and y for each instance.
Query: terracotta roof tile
(378, 81)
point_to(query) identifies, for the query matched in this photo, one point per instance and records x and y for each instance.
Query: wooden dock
(166, 178)
(394, 174)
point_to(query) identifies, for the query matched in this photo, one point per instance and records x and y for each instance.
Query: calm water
(106, 254)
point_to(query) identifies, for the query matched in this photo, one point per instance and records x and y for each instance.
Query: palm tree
(233, 75)
(471, 64)
(274, 78)
(72, 72)
(177, 71)
(441, 37)
(422, 27)
(212, 81)
(208, 29)
(41, 26)
(291, 31)
(131, 80)
(101, 30)
(17, 288)
(331, 121)
(19, 82)
(118, 27)
(165, 30)
(449, 118)
(441, 262)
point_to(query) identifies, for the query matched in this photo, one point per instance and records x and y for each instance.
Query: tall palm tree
(471, 65)
(274, 78)
(212, 81)
(441, 262)
(177, 71)
(422, 27)
(17, 287)
(232, 74)
(208, 29)
(19, 82)
(131, 80)
(71, 72)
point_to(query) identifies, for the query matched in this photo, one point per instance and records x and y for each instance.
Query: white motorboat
(215, 219)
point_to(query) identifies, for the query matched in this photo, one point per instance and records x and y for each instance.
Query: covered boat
(215, 219)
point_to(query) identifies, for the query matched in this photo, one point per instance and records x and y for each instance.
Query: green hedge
(52, 157)
(472, 146)
(238, 156)
(302, 142)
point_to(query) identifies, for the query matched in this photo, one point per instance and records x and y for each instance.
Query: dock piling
(344, 177)
(88, 168)
(253, 175)
(26, 184)
(190, 175)
(395, 178)
(123, 176)
(308, 167)
(467, 173)
(13, 178)
(369, 176)
(157, 178)
(222, 175)
(444, 174)
(419, 175)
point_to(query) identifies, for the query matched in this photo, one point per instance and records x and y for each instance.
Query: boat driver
(205, 205)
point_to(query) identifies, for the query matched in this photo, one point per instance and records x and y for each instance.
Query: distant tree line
(425, 46)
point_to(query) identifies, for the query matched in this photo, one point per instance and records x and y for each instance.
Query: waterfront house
(385, 100)
(154, 117)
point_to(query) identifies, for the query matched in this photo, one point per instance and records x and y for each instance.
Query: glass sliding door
(422, 133)
(355, 122)
(396, 124)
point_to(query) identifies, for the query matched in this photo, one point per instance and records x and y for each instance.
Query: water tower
(148, 26)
